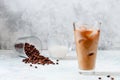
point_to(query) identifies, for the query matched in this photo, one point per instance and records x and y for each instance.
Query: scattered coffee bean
(35, 66)
(99, 78)
(90, 54)
(31, 65)
(108, 76)
(57, 60)
(112, 78)
(57, 63)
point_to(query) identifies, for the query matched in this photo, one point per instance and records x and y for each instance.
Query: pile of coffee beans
(34, 56)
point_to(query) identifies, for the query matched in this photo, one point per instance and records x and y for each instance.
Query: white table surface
(12, 67)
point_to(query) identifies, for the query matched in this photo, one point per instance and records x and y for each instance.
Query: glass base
(87, 72)
(97, 73)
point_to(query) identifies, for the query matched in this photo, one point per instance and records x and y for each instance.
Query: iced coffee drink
(86, 46)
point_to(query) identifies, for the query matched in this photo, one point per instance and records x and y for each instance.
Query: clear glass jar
(20, 43)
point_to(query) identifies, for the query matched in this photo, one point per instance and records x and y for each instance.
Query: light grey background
(46, 17)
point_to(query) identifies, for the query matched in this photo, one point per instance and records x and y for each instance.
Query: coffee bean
(57, 60)
(99, 78)
(31, 65)
(108, 76)
(57, 63)
(35, 66)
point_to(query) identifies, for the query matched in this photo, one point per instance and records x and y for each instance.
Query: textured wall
(44, 17)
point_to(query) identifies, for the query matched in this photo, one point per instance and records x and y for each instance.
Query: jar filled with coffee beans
(20, 46)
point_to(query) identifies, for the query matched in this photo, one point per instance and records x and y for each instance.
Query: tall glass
(86, 39)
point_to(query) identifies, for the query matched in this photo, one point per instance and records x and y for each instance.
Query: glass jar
(20, 44)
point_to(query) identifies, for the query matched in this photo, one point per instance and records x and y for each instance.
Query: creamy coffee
(86, 47)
